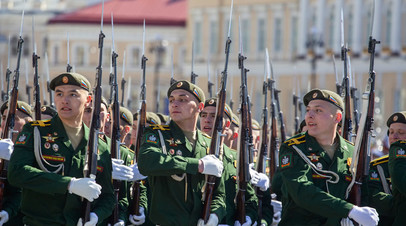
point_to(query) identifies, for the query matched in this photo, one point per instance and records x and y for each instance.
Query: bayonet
(209, 83)
(193, 75)
(172, 71)
(37, 91)
(123, 81)
(68, 66)
(51, 96)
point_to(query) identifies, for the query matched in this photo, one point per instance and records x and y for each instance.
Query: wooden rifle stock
(366, 130)
(37, 91)
(90, 168)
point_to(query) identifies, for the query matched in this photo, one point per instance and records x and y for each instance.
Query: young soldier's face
(320, 119)
(397, 131)
(207, 118)
(182, 105)
(19, 121)
(70, 102)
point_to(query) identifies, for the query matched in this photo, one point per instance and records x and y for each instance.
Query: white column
(301, 45)
(356, 47)
(337, 27)
(396, 27)
(378, 24)
(321, 8)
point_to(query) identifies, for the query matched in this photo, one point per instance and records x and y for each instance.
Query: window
(55, 54)
(134, 57)
(294, 34)
(388, 26)
(278, 35)
(261, 42)
(79, 56)
(245, 32)
(213, 37)
(197, 38)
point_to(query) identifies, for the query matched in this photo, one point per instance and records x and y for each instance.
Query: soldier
(11, 214)
(48, 159)
(175, 161)
(47, 112)
(397, 164)
(207, 119)
(315, 168)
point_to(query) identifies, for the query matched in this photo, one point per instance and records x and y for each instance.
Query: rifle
(243, 175)
(280, 113)
(3, 93)
(142, 119)
(37, 91)
(192, 74)
(231, 102)
(209, 83)
(51, 96)
(123, 81)
(355, 99)
(295, 106)
(360, 162)
(115, 125)
(172, 71)
(217, 135)
(263, 151)
(111, 78)
(338, 86)
(347, 122)
(8, 71)
(68, 66)
(27, 86)
(129, 96)
(8, 129)
(90, 166)
(273, 143)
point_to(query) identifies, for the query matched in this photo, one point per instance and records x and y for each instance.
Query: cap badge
(314, 95)
(65, 79)
(179, 84)
(395, 118)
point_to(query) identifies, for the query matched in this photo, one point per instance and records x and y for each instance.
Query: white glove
(120, 223)
(276, 218)
(6, 148)
(261, 181)
(277, 206)
(254, 174)
(346, 222)
(137, 220)
(3, 217)
(213, 220)
(92, 221)
(248, 222)
(85, 187)
(120, 171)
(136, 173)
(364, 215)
(212, 165)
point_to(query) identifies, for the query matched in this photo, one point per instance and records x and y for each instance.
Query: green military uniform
(45, 196)
(397, 169)
(176, 186)
(378, 198)
(230, 181)
(307, 197)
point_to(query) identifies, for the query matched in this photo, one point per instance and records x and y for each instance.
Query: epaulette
(41, 123)
(124, 146)
(160, 127)
(349, 142)
(380, 160)
(402, 141)
(206, 135)
(296, 140)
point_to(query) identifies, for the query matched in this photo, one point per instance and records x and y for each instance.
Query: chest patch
(400, 153)
(313, 157)
(373, 176)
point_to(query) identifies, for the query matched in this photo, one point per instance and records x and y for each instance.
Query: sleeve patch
(400, 153)
(285, 161)
(151, 138)
(22, 138)
(373, 176)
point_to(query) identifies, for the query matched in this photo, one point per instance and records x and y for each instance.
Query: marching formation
(83, 160)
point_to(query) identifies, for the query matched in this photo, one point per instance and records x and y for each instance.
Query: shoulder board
(349, 142)
(402, 141)
(380, 160)
(160, 127)
(206, 135)
(41, 123)
(296, 140)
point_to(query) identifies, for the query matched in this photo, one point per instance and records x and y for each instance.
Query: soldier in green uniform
(11, 214)
(397, 164)
(207, 119)
(315, 168)
(175, 161)
(48, 159)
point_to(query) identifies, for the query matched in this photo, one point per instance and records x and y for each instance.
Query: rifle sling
(383, 179)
